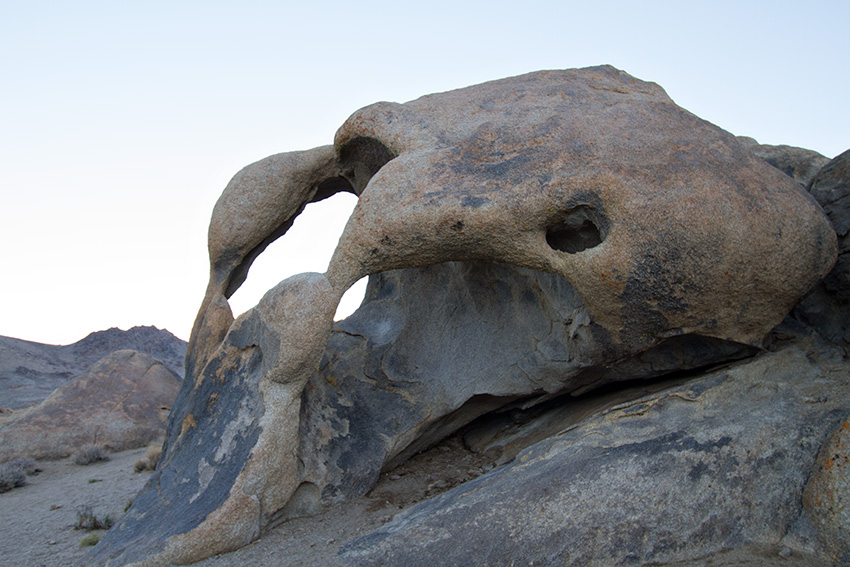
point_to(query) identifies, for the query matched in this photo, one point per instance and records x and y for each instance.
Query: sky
(122, 122)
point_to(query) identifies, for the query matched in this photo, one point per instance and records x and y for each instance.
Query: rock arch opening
(306, 247)
(582, 228)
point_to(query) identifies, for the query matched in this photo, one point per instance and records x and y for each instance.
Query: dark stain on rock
(697, 471)
(194, 470)
(473, 201)
(654, 290)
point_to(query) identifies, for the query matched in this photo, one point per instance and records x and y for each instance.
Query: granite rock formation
(827, 308)
(717, 463)
(531, 237)
(799, 164)
(121, 402)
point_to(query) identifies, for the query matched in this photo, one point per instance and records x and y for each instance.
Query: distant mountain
(30, 371)
(159, 344)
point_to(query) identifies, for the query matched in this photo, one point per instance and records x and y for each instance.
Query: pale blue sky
(122, 122)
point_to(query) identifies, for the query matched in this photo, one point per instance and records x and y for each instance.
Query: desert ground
(38, 519)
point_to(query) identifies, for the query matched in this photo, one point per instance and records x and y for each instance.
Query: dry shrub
(150, 461)
(88, 520)
(11, 477)
(14, 473)
(29, 466)
(89, 454)
(153, 454)
(90, 540)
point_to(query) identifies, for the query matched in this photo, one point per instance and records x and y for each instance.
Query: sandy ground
(37, 519)
(316, 540)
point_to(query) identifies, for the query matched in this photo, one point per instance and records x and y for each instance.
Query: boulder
(799, 164)
(122, 402)
(529, 237)
(827, 307)
(828, 181)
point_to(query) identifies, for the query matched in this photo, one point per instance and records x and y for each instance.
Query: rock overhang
(652, 213)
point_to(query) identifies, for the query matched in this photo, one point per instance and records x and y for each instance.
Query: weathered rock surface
(665, 246)
(827, 495)
(716, 464)
(431, 349)
(827, 308)
(29, 371)
(746, 528)
(798, 163)
(121, 402)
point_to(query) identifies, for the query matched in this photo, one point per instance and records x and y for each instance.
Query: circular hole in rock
(579, 230)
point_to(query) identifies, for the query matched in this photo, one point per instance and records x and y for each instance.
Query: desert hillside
(30, 371)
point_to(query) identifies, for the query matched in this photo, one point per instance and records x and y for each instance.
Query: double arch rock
(582, 226)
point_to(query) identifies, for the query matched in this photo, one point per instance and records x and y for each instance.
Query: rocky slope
(120, 403)
(30, 371)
